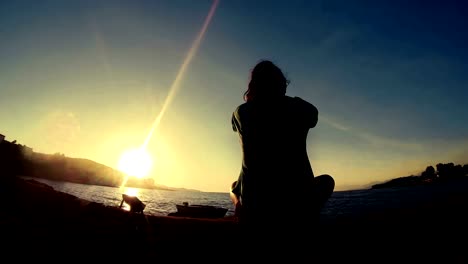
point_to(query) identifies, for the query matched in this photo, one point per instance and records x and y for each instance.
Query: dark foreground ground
(39, 223)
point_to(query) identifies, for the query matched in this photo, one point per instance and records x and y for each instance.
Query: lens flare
(173, 89)
(175, 85)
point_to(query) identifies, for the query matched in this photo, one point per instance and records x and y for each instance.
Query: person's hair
(266, 81)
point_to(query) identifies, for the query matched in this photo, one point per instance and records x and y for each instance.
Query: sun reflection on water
(130, 192)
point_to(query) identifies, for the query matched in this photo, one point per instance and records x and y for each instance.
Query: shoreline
(36, 217)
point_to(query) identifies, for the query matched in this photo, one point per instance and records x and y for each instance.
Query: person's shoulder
(302, 104)
(242, 108)
(297, 100)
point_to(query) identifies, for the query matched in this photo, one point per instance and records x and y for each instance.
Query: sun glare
(131, 191)
(135, 162)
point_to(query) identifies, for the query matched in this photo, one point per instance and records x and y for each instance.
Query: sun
(135, 162)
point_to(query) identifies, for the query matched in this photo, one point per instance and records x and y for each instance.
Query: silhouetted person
(276, 193)
(136, 206)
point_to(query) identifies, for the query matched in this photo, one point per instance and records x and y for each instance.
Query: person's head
(266, 81)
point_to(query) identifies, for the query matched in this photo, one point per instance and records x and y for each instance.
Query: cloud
(373, 139)
(334, 124)
(388, 142)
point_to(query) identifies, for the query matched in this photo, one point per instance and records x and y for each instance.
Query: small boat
(199, 211)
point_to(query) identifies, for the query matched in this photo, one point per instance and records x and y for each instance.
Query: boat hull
(199, 211)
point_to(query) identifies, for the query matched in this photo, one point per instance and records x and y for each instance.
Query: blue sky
(87, 78)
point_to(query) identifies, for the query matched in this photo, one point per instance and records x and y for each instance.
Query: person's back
(276, 181)
(274, 135)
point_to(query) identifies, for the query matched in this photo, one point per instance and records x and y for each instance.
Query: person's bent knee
(234, 193)
(233, 185)
(326, 180)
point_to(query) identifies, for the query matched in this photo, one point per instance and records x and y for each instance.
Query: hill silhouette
(78, 170)
(443, 172)
(20, 159)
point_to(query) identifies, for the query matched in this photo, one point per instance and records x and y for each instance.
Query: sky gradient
(88, 78)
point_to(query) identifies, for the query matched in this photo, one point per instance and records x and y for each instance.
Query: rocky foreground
(40, 223)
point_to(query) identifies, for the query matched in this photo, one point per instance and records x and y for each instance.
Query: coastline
(35, 217)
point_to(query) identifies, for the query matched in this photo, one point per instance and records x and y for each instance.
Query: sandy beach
(36, 218)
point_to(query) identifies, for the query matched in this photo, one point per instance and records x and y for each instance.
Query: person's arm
(234, 123)
(309, 111)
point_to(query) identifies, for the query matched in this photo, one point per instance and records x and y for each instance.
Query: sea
(350, 203)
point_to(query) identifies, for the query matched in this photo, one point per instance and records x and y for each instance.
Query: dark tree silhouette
(458, 171)
(449, 171)
(429, 173)
(445, 172)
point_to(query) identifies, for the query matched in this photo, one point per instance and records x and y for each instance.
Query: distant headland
(443, 172)
(22, 160)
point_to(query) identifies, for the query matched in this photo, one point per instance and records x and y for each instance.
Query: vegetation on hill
(442, 173)
(16, 159)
